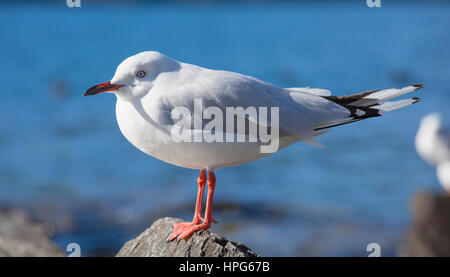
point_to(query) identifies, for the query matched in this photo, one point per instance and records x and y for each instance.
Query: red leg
(177, 229)
(206, 224)
(186, 230)
(201, 188)
(198, 205)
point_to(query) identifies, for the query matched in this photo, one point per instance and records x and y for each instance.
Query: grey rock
(153, 243)
(20, 237)
(429, 235)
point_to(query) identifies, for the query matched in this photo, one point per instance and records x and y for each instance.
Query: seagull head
(431, 122)
(136, 75)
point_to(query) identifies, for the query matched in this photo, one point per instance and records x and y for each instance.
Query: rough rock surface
(429, 236)
(19, 237)
(152, 243)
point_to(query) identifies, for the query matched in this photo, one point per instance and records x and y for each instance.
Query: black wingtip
(416, 99)
(418, 86)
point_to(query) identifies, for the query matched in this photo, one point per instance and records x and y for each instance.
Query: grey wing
(299, 112)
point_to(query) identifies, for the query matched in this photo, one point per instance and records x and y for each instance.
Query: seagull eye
(140, 74)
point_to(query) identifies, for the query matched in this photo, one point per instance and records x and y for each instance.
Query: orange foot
(201, 218)
(184, 230)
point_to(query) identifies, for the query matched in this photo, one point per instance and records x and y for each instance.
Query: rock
(429, 235)
(19, 237)
(152, 243)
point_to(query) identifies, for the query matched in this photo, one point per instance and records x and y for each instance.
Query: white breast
(136, 130)
(443, 174)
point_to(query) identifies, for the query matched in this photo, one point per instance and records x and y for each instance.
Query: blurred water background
(64, 159)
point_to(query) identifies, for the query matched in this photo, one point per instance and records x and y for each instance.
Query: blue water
(64, 159)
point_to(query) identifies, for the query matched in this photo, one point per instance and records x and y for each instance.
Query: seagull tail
(370, 104)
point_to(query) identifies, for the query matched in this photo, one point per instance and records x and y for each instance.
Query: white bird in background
(433, 145)
(150, 85)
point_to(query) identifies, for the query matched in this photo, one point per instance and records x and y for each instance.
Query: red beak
(102, 88)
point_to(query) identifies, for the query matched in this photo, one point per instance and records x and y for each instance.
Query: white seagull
(433, 145)
(149, 87)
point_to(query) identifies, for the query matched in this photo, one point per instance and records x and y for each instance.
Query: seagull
(433, 145)
(150, 87)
